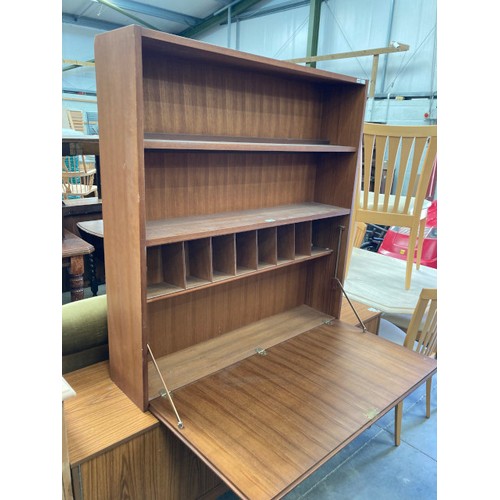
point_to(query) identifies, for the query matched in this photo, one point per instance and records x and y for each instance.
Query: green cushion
(84, 332)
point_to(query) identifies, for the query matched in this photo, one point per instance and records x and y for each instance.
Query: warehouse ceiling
(185, 18)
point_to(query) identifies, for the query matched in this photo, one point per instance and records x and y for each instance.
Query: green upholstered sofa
(84, 333)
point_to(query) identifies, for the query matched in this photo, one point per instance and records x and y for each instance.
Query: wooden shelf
(159, 232)
(167, 141)
(159, 291)
(188, 365)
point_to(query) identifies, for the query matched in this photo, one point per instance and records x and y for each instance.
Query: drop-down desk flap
(267, 422)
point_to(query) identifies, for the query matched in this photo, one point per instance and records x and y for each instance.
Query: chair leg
(411, 255)
(420, 241)
(398, 419)
(428, 385)
(350, 246)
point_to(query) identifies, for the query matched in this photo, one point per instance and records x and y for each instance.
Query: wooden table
(93, 227)
(368, 315)
(73, 251)
(93, 231)
(379, 281)
(74, 145)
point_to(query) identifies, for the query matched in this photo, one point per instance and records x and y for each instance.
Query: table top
(100, 416)
(93, 227)
(80, 206)
(366, 313)
(72, 245)
(80, 144)
(379, 281)
(67, 137)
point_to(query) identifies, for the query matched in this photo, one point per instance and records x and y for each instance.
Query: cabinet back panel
(189, 97)
(181, 184)
(335, 179)
(188, 319)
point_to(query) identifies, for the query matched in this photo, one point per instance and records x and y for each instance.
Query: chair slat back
(76, 121)
(421, 335)
(77, 181)
(407, 155)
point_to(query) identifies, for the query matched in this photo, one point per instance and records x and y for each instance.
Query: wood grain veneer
(228, 186)
(118, 451)
(223, 143)
(176, 283)
(369, 315)
(122, 178)
(205, 358)
(265, 423)
(194, 183)
(187, 228)
(100, 416)
(184, 320)
(185, 98)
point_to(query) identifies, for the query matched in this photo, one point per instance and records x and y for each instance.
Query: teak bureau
(227, 184)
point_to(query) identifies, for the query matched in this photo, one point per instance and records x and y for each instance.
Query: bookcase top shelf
(208, 54)
(180, 142)
(163, 231)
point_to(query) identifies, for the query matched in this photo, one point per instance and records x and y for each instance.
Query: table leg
(93, 280)
(76, 269)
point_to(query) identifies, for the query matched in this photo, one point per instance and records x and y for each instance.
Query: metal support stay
(180, 425)
(341, 230)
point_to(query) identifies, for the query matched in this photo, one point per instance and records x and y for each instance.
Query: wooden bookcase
(227, 179)
(227, 185)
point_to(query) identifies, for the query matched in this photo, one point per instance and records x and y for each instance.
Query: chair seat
(391, 204)
(402, 320)
(78, 189)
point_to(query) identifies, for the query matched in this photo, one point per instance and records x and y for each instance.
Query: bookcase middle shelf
(174, 268)
(179, 229)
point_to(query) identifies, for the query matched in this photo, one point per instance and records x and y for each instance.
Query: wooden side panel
(180, 184)
(343, 114)
(118, 59)
(153, 465)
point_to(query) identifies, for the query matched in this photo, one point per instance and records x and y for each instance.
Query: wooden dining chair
(78, 178)
(421, 337)
(392, 184)
(76, 121)
(360, 231)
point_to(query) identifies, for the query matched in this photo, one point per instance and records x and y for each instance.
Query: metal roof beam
(313, 32)
(87, 22)
(214, 20)
(266, 11)
(153, 11)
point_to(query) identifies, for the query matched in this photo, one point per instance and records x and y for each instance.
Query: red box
(395, 243)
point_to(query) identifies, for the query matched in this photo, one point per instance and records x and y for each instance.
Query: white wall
(351, 25)
(345, 26)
